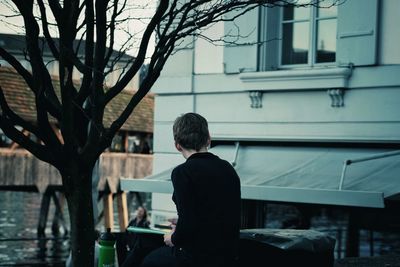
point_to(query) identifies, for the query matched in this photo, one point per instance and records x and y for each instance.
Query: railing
(18, 167)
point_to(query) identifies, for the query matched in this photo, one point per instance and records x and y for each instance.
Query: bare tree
(79, 110)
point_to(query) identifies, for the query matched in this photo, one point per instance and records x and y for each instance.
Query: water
(19, 217)
(19, 246)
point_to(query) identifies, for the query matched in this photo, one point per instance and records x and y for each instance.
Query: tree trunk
(80, 207)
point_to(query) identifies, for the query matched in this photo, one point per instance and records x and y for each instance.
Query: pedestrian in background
(141, 218)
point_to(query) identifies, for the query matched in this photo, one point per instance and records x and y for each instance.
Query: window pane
(326, 40)
(4, 140)
(117, 144)
(296, 13)
(327, 8)
(295, 43)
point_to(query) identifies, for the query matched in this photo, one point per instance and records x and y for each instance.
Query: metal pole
(372, 157)
(376, 156)
(345, 163)
(236, 154)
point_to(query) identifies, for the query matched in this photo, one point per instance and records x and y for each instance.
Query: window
(132, 142)
(342, 35)
(117, 143)
(308, 34)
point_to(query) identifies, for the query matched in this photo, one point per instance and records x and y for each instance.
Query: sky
(10, 21)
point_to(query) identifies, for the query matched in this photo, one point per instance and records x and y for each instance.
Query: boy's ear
(178, 147)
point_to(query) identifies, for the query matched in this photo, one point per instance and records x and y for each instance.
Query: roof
(21, 99)
(142, 117)
(313, 175)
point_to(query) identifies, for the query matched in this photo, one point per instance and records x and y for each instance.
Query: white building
(306, 89)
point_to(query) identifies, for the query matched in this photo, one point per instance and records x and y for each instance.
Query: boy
(207, 198)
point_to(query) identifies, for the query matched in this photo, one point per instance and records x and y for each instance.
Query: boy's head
(191, 131)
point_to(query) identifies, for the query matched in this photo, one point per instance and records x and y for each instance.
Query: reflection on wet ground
(19, 245)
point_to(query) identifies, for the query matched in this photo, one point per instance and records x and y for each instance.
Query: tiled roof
(141, 119)
(20, 98)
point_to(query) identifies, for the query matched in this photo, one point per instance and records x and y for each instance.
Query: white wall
(208, 55)
(113, 77)
(176, 76)
(370, 112)
(390, 32)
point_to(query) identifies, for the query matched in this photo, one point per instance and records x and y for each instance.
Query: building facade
(309, 75)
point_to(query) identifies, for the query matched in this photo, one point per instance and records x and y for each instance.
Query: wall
(370, 111)
(390, 32)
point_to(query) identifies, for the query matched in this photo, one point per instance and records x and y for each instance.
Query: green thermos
(107, 249)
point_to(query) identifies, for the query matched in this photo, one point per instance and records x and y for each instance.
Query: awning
(314, 175)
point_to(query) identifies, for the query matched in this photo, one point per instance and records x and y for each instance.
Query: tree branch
(119, 86)
(45, 27)
(41, 78)
(89, 50)
(157, 63)
(101, 39)
(9, 113)
(112, 30)
(26, 75)
(37, 150)
(56, 10)
(97, 94)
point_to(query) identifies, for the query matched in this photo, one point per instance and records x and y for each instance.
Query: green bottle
(107, 249)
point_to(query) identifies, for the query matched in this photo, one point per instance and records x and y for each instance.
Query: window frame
(312, 49)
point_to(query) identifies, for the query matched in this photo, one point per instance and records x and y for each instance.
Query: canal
(19, 246)
(19, 216)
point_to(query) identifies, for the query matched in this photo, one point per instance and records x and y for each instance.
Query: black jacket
(132, 239)
(142, 223)
(207, 198)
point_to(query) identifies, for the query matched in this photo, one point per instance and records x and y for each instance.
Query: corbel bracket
(256, 99)
(337, 97)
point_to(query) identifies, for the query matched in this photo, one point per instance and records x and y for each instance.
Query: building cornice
(304, 79)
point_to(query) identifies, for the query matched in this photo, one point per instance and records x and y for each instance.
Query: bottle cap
(107, 238)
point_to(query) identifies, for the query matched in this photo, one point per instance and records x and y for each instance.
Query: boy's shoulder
(202, 160)
(178, 169)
